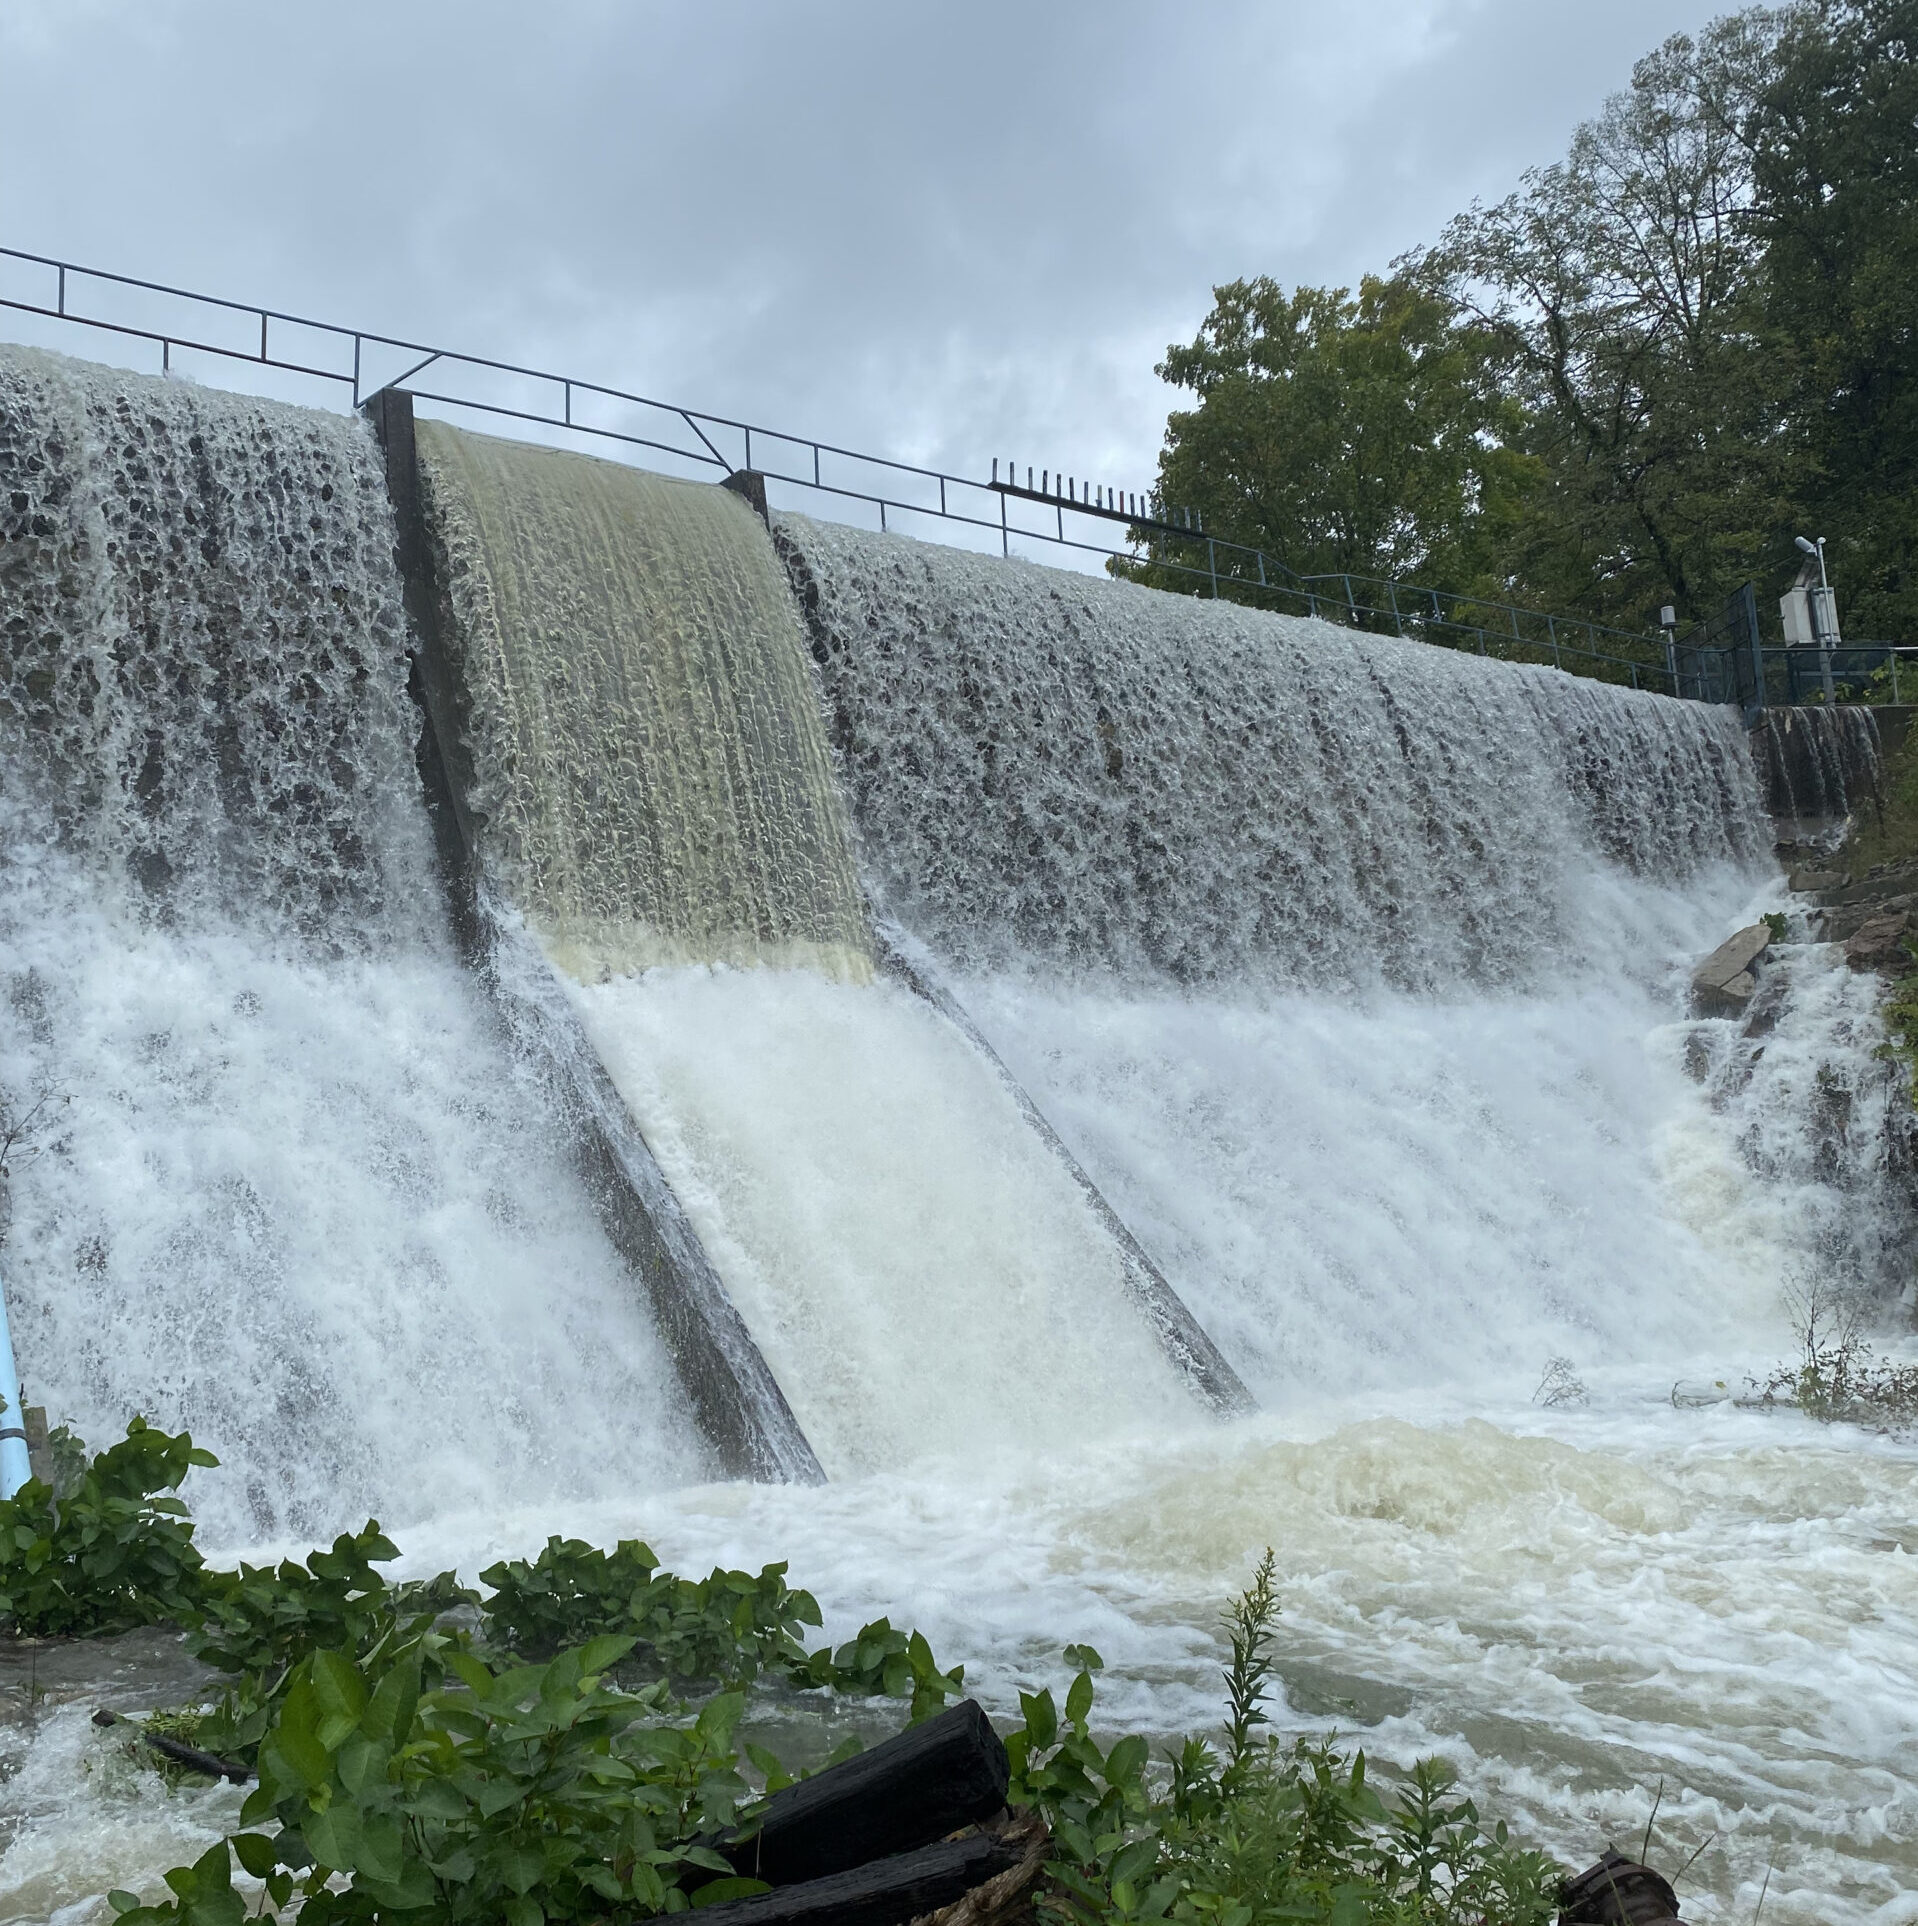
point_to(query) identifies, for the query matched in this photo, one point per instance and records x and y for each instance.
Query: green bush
(728, 1626)
(1269, 1833)
(110, 1548)
(528, 1794)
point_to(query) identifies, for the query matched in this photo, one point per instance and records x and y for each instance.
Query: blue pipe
(14, 1468)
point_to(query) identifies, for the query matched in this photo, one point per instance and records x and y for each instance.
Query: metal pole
(1821, 623)
(15, 1469)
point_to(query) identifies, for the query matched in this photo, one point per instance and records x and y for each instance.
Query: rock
(1724, 983)
(1839, 924)
(1879, 943)
(1887, 881)
(1813, 879)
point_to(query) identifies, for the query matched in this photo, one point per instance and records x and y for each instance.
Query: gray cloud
(942, 232)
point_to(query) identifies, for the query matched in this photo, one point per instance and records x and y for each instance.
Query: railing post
(1212, 565)
(1748, 607)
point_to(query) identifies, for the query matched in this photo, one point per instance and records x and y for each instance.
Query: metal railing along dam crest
(1014, 509)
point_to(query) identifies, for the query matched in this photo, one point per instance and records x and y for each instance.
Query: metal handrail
(897, 488)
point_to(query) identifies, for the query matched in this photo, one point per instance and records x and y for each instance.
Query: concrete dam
(552, 994)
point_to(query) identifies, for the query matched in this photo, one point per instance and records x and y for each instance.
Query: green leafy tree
(1340, 433)
(1621, 290)
(1834, 140)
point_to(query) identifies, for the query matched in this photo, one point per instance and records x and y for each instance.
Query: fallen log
(934, 1778)
(885, 1892)
(1618, 1892)
(1008, 1895)
(181, 1754)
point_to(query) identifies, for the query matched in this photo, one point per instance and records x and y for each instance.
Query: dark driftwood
(887, 1892)
(191, 1757)
(1618, 1892)
(946, 1773)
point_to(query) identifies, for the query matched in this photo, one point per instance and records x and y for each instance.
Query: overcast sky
(943, 232)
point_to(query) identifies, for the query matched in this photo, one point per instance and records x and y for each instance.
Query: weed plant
(1838, 1375)
(431, 1755)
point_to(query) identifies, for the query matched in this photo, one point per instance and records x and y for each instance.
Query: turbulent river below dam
(1352, 972)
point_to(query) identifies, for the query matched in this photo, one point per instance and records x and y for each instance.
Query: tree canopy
(1631, 382)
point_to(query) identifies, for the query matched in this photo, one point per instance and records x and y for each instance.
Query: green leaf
(1126, 1762)
(381, 1847)
(521, 1867)
(1042, 1718)
(1079, 1700)
(718, 1890)
(334, 1836)
(255, 1851)
(341, 1695)
(292, 1750)
(1131, 1863)
(389, 1713)
(603, 1653)
(770, 1767)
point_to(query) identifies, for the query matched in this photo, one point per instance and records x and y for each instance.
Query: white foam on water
(1374, 1191)
(308, 1208)
(1571, 1605)
(921, 1273)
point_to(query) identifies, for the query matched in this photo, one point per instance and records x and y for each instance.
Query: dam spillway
(1352, 971)
(649, 761)
(287, 1188)
(657, 797)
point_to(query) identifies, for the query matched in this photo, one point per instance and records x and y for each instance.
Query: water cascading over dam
(1331, 955)
(645, 753)
(657, 796)
(278, 1177)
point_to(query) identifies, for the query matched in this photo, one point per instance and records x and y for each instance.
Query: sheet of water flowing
(284, 1184)
(922, 1275)
(648, 761)
(1051, 770)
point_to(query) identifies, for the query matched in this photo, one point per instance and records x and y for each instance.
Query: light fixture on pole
(1810, 611)
(1668, 621)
